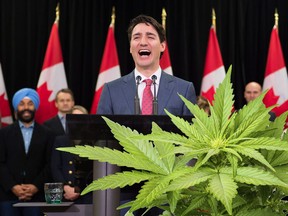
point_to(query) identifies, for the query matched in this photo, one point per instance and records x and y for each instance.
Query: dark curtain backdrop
(243, 30)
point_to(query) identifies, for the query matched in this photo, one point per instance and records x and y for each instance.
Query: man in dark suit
(147, 43)
(64, 102)
(25, 151)
(74, 172)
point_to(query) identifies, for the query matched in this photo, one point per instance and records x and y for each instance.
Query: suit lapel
(20, 142)
(165, 90)
(129, 90)
(34, 137)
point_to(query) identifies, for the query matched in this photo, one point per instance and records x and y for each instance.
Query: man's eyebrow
(150, 33)
(136, 34)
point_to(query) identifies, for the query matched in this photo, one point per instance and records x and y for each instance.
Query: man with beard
(25, 151)
(64, 102)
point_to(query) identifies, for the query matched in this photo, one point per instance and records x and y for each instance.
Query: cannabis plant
(241, 161)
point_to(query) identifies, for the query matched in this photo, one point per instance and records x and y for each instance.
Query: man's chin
(29, 120)
(26, 119)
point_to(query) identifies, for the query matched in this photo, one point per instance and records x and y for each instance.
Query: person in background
(203, 103)
(252, 91)
(64, 102)
(25, 152)
(75, 172)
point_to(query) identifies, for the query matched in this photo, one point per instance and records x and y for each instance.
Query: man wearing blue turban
(29, 97)
(25, 152)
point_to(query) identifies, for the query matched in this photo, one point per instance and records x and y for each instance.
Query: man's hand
(24, 192)
(18, 191)
(69, 193)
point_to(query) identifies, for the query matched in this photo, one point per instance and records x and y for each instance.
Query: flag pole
(276, 18)
(113, 17)
(164, 15)
(214, 19)
(57, 10)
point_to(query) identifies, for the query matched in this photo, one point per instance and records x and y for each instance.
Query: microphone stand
(136, 99)
(155, 100)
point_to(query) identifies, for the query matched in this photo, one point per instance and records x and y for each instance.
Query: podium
(94, 129)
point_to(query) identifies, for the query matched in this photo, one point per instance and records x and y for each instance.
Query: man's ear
(163, 46)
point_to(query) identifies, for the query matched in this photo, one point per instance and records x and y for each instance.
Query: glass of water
(53, 192)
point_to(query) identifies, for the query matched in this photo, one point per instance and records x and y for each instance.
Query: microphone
(136, 99)
(155, 100)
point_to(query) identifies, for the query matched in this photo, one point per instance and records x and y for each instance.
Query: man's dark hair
(148, 21)
(65, 90)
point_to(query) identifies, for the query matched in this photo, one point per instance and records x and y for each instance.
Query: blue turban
(25, 92)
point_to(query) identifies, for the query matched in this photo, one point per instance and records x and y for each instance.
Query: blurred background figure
(74, 172)
(64, 102)
(203, 103)
(25, 153)
(252, 91)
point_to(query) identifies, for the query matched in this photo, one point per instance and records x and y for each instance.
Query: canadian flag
(5, 112)
(214, 71)
(276, 80)
(109, 69)
(52, 77)
(165, 62)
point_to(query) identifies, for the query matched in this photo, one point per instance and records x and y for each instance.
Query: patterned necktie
(147, 99)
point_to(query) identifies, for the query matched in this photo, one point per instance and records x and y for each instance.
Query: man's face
(252, 91)
(64, 102)
(145, 47)
(26, 111)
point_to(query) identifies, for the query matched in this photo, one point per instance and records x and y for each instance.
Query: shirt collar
(157, 73)
(60, 115)
(23, 126)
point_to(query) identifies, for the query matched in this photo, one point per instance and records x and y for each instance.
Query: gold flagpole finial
(164, 15)
(276, 17)
(214, 18)
(57, 13)
(113, 16)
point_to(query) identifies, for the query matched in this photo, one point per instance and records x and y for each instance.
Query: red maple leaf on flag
(209, 95)
(270, 98)
(52, 77)
(276, 79)
(214, 71)
(109, 69)
(5, 113)
(46, 108)
(4, 106)
(165, 62)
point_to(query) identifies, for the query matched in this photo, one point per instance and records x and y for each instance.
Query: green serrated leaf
(223, 189)
(118, 180)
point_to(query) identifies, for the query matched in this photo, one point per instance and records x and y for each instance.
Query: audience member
(252, 91)
(64, 102)
(25, 152)
(75, 172)
(203, 103)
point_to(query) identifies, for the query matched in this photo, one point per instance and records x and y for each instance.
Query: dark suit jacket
(71, 169)
(55, 125)
(118, 96)
(16, 167)
(62, 165)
